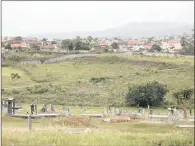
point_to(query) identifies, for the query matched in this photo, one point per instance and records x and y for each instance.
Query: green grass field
(70, 84)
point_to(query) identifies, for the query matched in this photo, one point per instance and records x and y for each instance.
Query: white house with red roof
(134, 43)
(104, 43)
(171, 45)
(147, 46)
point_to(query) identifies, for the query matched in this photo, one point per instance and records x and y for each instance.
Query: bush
(15, 92)
(97, 80)
(105, 50)
(149, 94)
(14, 58)
(38, 89)
(15, 76)
(5, 65)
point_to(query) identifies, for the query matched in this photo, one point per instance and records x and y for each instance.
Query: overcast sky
(33, 17)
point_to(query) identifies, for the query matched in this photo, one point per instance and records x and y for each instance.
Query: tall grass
(97, 138)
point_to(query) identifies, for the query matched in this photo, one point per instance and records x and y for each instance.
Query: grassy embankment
(95, 81)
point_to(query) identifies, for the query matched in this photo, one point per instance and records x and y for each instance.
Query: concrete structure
(93, 115)
(8, 106)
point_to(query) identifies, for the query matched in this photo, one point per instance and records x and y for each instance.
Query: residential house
(134, 43)
(19, 45)
(123, 47)
(33, 44)
(103, 44)
(59, 42)
(165, 47)
(171, 46)
(15, 44)
(147, 46)
(172, 42)
(48, 46)
(175, 45)
(7, 38)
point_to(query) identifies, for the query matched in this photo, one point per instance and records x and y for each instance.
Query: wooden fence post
(29, 122)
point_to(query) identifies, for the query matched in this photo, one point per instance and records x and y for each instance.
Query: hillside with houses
(164, 44)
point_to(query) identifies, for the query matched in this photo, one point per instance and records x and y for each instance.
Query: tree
(53, 42)
(18, 38)
(79, 45)
(171, 37)
(115, 38)
(187, 45)
(35, 46)
(8, 46)
(44, 39)
(150, 39)
(156, 47)
(149, 94)
(67, 44)
(95, 45)
(89, 38)
(2, 44)
(184, 98)
(114, 45)
(19, 48)
(96, 39)
(89, 41)
(78, 38)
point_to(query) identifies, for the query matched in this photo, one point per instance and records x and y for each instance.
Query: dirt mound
(70, 121)
(117, 119)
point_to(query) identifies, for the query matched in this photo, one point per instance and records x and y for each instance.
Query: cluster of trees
(77, 44)
(153, 94)
(188, 45)
(156, 47)
(8, 46)
(83, 43)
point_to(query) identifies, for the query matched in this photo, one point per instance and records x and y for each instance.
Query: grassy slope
(71, 80)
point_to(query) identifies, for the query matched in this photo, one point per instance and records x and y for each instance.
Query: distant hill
(135, 29)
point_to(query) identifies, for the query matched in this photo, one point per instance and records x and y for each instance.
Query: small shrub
(38, 89)
(28, 89)
(5, 65)
(15, 76)
(105, 50)
(98, 52)
(15, 92)
(15, 58)
(97, 80)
